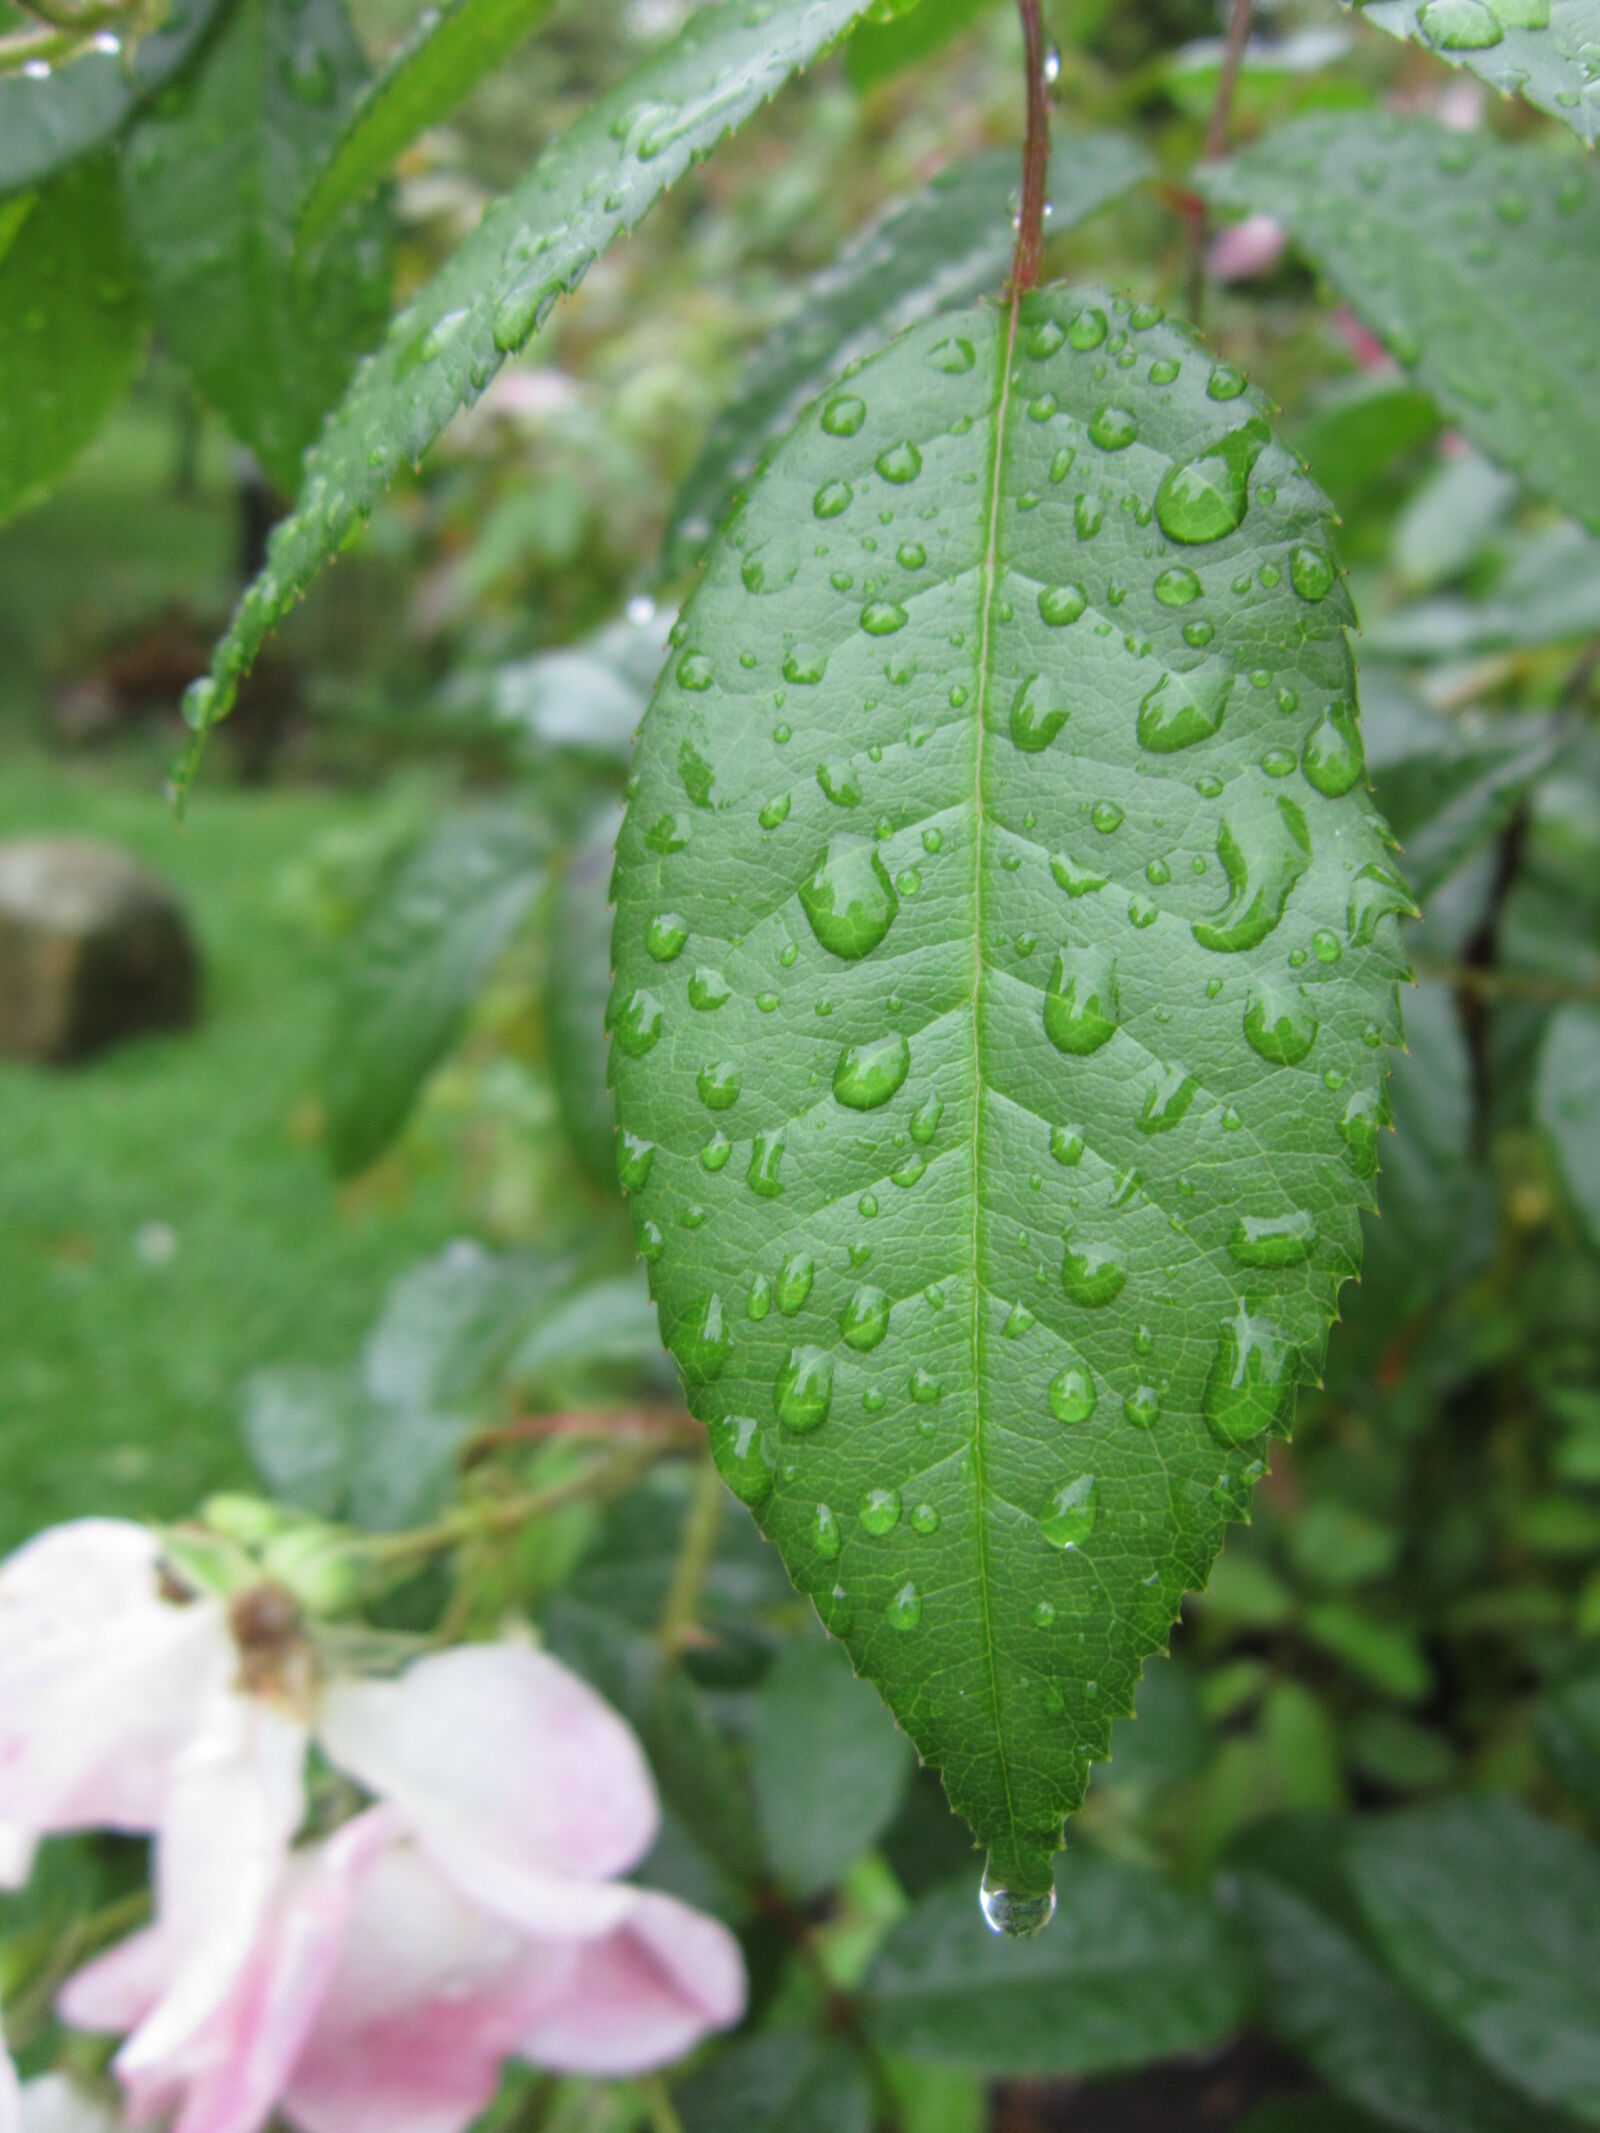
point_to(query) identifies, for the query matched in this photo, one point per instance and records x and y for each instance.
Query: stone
(94, 947)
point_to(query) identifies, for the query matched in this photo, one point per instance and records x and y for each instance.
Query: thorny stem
(1035, 154)
(599, 1480)
(1216, 142)
(675, 1630)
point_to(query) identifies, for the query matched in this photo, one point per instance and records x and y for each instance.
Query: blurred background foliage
(357, 1238)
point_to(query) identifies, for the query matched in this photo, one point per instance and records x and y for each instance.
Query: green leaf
(1325, 1995)
(998, 1001)
(1468, 257)
(880, 49)
(213, 177)
(447, 54)
(791, 2083)
(1133, 1970)
(417, 966)
(45, 125)
(1548, 593)
(937, 250)
(71, 326)
(1540, 49)
(1567, 1103)
(1492, 1918)
(1567, 1726)
(580, 978)
(591, 185)
(828, 1766)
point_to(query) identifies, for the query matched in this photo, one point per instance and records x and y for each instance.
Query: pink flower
(1241, 250)
(373, 1980)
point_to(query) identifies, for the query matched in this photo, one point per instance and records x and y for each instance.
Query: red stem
(1035, 154)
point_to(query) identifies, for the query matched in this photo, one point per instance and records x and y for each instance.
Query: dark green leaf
(1568, 1102)
(880, 49)
(71, 324)
(937, 250)
(580, 977)
(791, 2083)
(214, 176)
(1355, 433)
(1541, 49)
(302, 1426)
(828, 1766)
(1567, 1724)
(540, 240)
(450, 50)
(1492, 1918)
(1022, 1073)
(44, 125)
(416, 967)
(1470, 258)
(1132, 1970)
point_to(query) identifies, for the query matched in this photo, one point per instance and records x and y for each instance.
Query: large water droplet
(880, 1511)
(904, 1611)
(1072, 1395)
(1252, 1380)
(825, 1536)
(765, 1156)
(719, 1082)
(1273, 1240)
(881, 618)
(1263, 855)
(1279, 1022)
(794, 1282)
(702, 1341)
(844, 415)
(1364, 1113)
(850, 899)
(634, 1158)
(1075, 879)
(1080, 1002)
(1374, 894)
(708, 990)
(1167, 1099)
(1177, 586)
(1205, 496)
(1068, 1517)
(1460, 25)
(1062, 604)
(1035, 721)
(1311, 571)
(743, 1457)
(900, 463)
(869, 1074)
(865, 1320)
(1184, 708)
(1017, 1913)
(925, 1119)
(803, 1393)
(665, 935)
(1092, 1275)
(1331, 758)
(636, 1023)
(1113, 428)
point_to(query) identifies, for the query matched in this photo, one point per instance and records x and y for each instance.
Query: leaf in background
(1543, 50)
(828, 1766)
(581, 699)
(880, 49)
(1133, 1970)
(1473, 260)
(1548, 593)
(1492, 1918)
(72, 324)
(936, 250)
(1326, 1996)
(301, 1426)
(448, 52)
(213, 176)
(580, 979)
(1356, 431)
(45, 125)
(794, 2082)
(1451, 519)
(1567, 1105)
(999, 1008)
(415, 969)
(1567, 1726)
(537, 243)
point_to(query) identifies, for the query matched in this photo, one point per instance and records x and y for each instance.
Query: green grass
(119, 1373)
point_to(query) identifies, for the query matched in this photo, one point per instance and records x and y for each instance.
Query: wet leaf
(1539, 49)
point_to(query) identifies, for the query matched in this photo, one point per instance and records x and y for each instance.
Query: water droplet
(794, 1282)
(1311, 571)
(803, 1393)
(665, 936)
(924, 1519)
(1177, 586)
(636, 1024)
(926, 1390)
(825, 1537)
(1045, 340)
(650, 1241)
(634, 1158)
(702, 1342)
(776, 812)
(1088, 516)
(839, 783)
(1204, 497)
(1061, 604)
(708, 990)
(1076, 880)
(1018, 1319)
(1374, 894)
(759, 1301)
(1034, 722)
(1106, 816)
(1279, 1023)
(805, 666)
(1163, 370)
(843, 416)
(867, 1075)
(832, 498)
(1183, 709)
(904, 1611)
(1273, 1240)
(1167, 1099)
(849, 899)
(1017, 1913)
(1460, 25)
(719, 1085)
(744, 1458)
(910, 555)
(900, 463)
(880, 1511)
(714, 1155)
(1069, 1513)
(1142, 1407)
(1093, 1275)
(1080, 1002)
(1332, 759)
(1088, 329)
(1364, 1113)
(1263, 857)
(881, 618)
(1113, 428)
(765, 1156)
(953, 356)
(1226, 382)
(1325, 945)
(865, 1319)
(1072, 1395)
(925, 1119)
(1251, 1384)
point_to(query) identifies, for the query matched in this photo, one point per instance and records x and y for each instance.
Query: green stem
(695, 1550)
(600, 1480)
(1216, 142)
(663, 2116)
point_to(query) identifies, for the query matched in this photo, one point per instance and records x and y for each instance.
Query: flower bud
(318, 1566)
(249, 1520)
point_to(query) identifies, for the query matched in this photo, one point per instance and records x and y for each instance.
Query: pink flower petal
(101, 1680)
(521, 1782)
(115, 1992)
(237, 1799)
(644, 1995)
(1241, 250)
